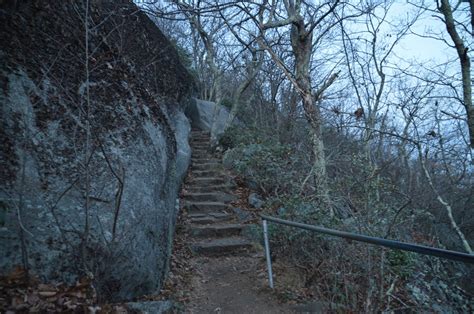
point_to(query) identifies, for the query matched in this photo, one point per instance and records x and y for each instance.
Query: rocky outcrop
(94, 144)
(208, 116)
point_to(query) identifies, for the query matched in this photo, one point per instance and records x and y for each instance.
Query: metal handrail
(421, 249)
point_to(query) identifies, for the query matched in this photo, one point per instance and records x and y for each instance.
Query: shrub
(237, 136)
(268, 166)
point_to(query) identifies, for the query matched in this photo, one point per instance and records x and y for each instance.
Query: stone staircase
(212, 226)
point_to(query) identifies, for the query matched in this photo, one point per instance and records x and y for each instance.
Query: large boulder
(93, 148)
(208, 116)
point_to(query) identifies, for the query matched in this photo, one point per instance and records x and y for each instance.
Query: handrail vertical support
(267, 253)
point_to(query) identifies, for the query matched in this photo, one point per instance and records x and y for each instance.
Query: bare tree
(302, 19)
(462, 49)
(252, 66)
(368, 54)
(194, 16)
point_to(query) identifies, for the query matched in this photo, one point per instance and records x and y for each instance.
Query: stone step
(201, 142)
(203, 157)
(221, 246)
(210, 197)
(212, 214)
(216, 230)
(206, 207)
(199, 131)
(206, 167)
(208, 218)
(200, 159)
(212, 163)
(210, 188)
(206, 173)
(200, 149)
(204, 160)
(206, 181)
(200, 152)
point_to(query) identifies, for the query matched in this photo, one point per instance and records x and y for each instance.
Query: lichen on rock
(94, 145)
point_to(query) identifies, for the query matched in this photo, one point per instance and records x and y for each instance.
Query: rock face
(255, 200)
(93, 146)
(208, 116)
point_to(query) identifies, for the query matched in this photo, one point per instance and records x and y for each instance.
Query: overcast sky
(424, 49)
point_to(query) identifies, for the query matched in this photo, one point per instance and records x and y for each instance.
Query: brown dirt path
(230, 285)
(220, 270)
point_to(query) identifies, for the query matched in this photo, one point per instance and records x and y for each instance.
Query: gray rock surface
(182, 129)
(281, 211)
(102, 205)
(208, 116)
(255, 200)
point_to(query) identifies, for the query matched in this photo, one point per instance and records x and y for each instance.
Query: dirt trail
(228, 285)
(227, 268)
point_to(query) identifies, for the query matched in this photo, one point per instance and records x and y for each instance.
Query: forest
(354, 115)
(132, 130)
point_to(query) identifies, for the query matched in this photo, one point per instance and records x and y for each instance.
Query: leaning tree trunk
(237, 99)
(301, 37)
(462, 51)
(301, 43)
(319, 162)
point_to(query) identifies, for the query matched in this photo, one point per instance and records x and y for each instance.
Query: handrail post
(267, 253)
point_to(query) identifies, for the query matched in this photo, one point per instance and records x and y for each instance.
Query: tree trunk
(461, 49)
(292, 108)
(253, 70)
(447, 206)
(301, 43)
